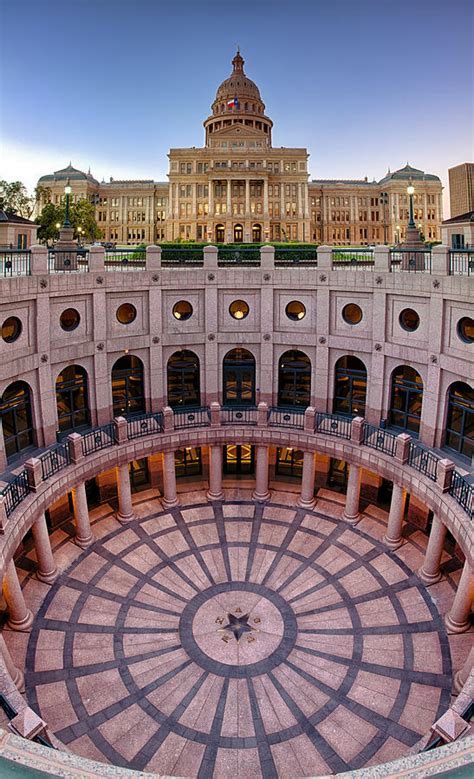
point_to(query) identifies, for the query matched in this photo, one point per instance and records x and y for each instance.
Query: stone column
(17, 676)
(84, 537)
(265, 197)
(458, 619)
(351, 509)
(125, 513)
(247, 197)
(46, 571)
(429, 572)
(393, 536)
(460, 678)
(229, 198)
(19, 615)
(261, 493)
(169, 499)
(215, 491)
(306, 498)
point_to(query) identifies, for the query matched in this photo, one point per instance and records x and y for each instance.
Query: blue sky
(114, 84)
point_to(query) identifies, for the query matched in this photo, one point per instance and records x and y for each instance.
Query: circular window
(352, 314)
(11, 329)
(126, 313)
(409, 319)
(69, 319)
(295, 310)
(182, 310)
(239, 309)
(465, 329)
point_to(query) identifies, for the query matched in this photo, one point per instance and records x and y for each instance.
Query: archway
(239, 378)
(406, 399)
(257, 233)
(127, 386)
(350, 386)
(72, 400)
(294, 379)
(459, 433)
(184, 384)
(238, 233)
(16, 416)
(220, 233)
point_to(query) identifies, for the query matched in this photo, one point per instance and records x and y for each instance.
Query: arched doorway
(184, 384)
(220, 233)
(294, 379)
(406, 399)
(16, 416)
(350, 387)
(72, 399)
(239, 378)
(459, 434)
(238, 233)
(257, 233)
(127, 386)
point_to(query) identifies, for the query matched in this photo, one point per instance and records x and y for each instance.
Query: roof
(468, 217)
(8, 216)
(68, 173)
(407, 173)
(238, 84)
(340, 181)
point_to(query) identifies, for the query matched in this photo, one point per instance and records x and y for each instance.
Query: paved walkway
(238, 640)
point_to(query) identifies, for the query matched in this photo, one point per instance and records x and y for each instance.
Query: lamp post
(384, 204)
(80, 232)
(411, 192)
(67, 192)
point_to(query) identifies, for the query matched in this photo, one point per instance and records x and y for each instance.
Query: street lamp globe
(410, 189)
(67, 189)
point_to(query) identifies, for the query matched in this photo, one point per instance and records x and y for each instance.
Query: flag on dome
(233, 103)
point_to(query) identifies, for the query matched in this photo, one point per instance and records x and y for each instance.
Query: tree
(81, 214)
(15, 199)
(50, 216)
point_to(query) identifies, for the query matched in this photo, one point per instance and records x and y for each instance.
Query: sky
(364, 85)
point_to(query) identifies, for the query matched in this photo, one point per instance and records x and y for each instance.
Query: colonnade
(20, 618)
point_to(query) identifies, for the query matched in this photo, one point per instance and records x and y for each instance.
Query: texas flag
(233, 103)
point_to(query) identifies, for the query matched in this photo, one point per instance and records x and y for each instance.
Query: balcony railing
(423, 460)
(15, 492)
(379, 439)
(15, 263)
(462, 492)
(332, 424)
(54, 460)
(192, 417)
(242, 255)
(412, 260)
(461, 262)
(97, 439)
(125, 259)
(238, 415)
(352, 259)
(279, 416)
(181, 255)
(68, 260)
(144, 424)
(286, 256)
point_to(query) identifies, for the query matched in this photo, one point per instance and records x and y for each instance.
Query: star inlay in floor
(238, 626)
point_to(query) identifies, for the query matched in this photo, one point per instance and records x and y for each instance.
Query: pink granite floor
(238, 640)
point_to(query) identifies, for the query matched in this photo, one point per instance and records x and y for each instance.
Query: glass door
(239, 459)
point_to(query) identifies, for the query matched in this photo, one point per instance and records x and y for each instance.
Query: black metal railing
(192, 417)
(379, 439)
(462, 492)
(15, 492)
(279, 416)
(144, 424)
(413, 260)
(352, 259)
(128, 259)
(423, 460)
(295, 255)
(239, 415)
(15, 263)
(461, 262)
(242, 255)
(54, 460)
(182, 255)
(97, 439)
(332, 424)
(68, 261)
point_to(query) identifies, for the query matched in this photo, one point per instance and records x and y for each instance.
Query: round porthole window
(126, 313)
(352, 314)
(182, 310)
(11, 329)
(409, 319)
(465, 329)
(295, 310)
(239, 309)
(69, 319)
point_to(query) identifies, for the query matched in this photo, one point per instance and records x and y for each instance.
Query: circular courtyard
(239, 640)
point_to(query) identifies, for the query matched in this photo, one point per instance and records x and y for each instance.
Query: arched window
(72, 399)
(257, 233)
(184, 385)
(127, 386)
(406, 399)
(15, 412)
(350, 387)
(294, 379)
(239, 378)
(238, 233)
(220, 233)
(460, 419)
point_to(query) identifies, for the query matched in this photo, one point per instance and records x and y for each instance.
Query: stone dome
(238, 84)
(71, 173)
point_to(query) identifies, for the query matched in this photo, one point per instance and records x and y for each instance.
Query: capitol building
(239, 188)
(236, 497)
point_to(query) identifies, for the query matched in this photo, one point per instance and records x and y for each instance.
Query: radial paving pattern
(234, 640)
